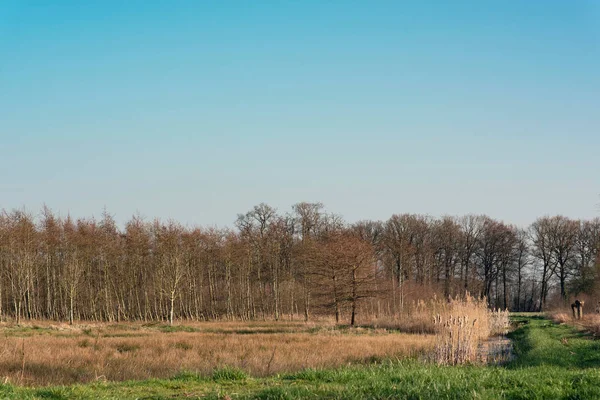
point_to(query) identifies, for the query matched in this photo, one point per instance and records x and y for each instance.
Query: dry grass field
(589, 323)
(551, 361)
(46, 353)
(35, 354)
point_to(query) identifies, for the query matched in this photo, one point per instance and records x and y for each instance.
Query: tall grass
(462, 327)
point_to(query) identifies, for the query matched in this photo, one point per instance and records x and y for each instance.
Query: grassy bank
(553, 362)
(540, 342)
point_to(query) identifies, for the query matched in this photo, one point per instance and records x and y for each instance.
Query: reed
(462, 327)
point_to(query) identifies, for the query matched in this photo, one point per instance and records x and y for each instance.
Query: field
(287, 360)
(51, 354)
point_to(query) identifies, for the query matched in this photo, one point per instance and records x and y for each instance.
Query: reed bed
(463, 327)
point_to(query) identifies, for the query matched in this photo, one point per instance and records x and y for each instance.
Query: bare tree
(471, 226)
(564, 234)
(543, 250)
(493, 253)
(75, 242)
(522, 261)
(170, 257)
(275, 265)
(309, 217)
(446, 245)
(23, 258)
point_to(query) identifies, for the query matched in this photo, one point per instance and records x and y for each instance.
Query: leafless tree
(522, 261)
(564, 234)
(543, 250)
(308, 261)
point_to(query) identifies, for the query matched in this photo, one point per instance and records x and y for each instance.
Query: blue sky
(198, 110)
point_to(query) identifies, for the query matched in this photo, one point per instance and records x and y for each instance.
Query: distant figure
(598, 308)
(577, 308)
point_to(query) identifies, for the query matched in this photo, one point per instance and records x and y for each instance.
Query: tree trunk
(228, 285)
(71, 312)
(354, 298)
(519, 278)
(306, 302)
(172, 308)
(504, 287)
(335, 300)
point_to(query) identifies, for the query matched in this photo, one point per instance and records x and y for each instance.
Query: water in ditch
(497, 350)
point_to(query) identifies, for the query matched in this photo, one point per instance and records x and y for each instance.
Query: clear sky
(198, 110)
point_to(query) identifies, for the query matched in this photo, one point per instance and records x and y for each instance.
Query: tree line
(284, 265)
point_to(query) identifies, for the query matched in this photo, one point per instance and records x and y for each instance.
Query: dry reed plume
(463, 325)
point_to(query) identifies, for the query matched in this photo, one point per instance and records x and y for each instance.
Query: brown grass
(589, 323)
(46, 354)
(416, 317)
